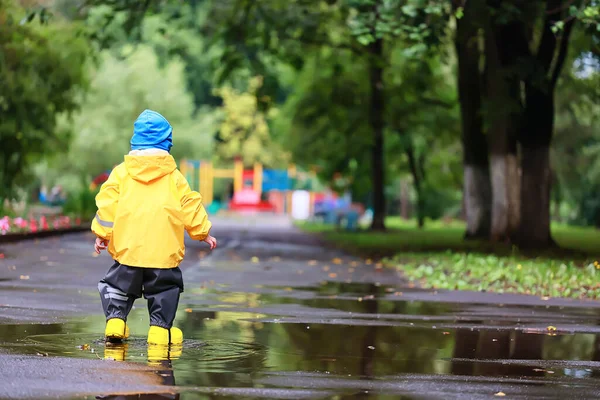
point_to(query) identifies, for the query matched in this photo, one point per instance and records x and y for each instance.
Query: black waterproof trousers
(123, 284)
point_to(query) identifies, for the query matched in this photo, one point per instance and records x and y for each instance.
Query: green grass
(438, 257)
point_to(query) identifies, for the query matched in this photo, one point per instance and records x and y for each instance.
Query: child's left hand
(101, 244)
(212, 242)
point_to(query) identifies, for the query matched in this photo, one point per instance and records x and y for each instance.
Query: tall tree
(244, 131)
(41, 75)
(524, 46)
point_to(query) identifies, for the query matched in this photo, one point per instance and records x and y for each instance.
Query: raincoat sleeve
(195, 217)
(106, 201)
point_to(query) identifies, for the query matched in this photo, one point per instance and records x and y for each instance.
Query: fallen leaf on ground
(312, 262)
(398, 294)
(326, 268)
(500, 394)
(371, 347)
(337, 260)
(333, 275)
(84, 347)
(188, 310)
(369, 261)
(545, 298)
(551, 328)
(288, 289)
(24, 277)
(255, 259)
(1, 256)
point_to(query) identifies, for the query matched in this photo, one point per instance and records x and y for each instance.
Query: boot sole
(114, 339)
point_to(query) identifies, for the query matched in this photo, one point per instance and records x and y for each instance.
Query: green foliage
(587, 12)
(81, 203)
(244, 131)
(121, 88)
(576, 150)
(438, 257)
(42, 73)
(545, 277)
(418, 23)
(326, 118)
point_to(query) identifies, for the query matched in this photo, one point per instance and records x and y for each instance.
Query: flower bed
(16, 229)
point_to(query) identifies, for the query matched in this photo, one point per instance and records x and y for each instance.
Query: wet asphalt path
(274, 314)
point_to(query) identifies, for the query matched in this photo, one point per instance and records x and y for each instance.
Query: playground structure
(256, 189)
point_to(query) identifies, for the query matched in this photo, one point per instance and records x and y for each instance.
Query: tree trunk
(504, 109)
(534, 230)
(376, 119)
(514, 192)
(477, 190)
(404, 200)
(417, 172)
(477, 193)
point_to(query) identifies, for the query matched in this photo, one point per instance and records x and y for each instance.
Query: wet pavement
(274, 314)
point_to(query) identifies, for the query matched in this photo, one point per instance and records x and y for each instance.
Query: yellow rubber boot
(116, 330)
(115, 351)
(162, 336)
(176, 336)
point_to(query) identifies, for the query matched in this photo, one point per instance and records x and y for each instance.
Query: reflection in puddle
(294, 343)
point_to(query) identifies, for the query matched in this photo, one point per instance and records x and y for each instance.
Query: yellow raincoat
(144, 208)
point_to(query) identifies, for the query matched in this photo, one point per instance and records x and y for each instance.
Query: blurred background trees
(485, 110)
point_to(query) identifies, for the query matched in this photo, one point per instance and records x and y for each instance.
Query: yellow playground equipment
(250, 182)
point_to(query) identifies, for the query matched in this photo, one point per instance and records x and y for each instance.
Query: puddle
(321, 342)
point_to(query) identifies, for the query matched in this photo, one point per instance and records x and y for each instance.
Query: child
(143, 209)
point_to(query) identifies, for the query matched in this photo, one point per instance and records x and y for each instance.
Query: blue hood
(152, 131)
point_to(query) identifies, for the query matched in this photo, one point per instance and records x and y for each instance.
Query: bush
(81, 204)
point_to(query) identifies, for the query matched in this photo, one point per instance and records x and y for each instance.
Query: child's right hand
(101, 244)
(212, 242)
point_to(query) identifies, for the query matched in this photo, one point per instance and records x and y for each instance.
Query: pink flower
(20, 222)
(4, 225)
